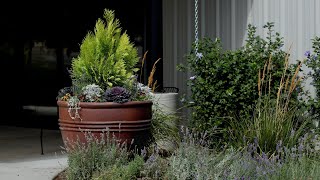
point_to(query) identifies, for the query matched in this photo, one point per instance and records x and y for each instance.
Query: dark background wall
(62, 25)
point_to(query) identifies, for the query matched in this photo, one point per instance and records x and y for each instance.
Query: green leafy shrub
(225, 82)
(275, 117)
(107, 57)
(313, 62)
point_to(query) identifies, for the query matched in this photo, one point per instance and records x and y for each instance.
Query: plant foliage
(117, 94)
(107, 57)
(275, 117)
(225, 81)
(313, 62)
(99, 154)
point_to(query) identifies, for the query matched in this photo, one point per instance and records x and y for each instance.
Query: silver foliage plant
(74, 107)
(92, 92)
(143, 89)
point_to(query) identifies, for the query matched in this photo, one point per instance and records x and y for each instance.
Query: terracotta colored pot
(127, 121)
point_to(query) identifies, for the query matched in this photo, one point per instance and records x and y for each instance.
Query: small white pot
(168, 102)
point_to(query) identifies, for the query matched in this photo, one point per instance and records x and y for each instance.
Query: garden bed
(61, 175)
(194, 159)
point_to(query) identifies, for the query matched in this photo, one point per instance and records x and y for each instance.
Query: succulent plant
(64, 93)
(117, 94)
(92, 93)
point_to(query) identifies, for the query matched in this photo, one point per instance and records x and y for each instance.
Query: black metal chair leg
(41, 135)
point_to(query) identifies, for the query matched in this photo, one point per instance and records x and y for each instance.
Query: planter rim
(106, 104)
(159, 93)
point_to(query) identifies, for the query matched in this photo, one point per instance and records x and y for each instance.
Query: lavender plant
(248, 164)
(130, 170)
(297, 162)
(155, 165)
(194, 159)
(300, 161)
(191, 160)
(99, 154)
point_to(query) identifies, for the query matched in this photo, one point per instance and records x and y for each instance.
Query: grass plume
(276, 116)
(150, 79)
(142, 63)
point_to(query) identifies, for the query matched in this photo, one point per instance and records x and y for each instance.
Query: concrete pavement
(20, 154)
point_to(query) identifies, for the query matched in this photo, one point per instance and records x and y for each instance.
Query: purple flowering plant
(117, 94)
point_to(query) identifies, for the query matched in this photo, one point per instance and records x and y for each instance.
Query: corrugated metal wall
(298, 21)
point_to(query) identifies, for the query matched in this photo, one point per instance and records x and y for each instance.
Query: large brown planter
(127, 121)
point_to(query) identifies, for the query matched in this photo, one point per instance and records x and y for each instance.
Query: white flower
(199, 55)
(192, 77)
(143, 88)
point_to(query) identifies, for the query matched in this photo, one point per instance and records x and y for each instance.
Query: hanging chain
(196, 32)
(196, 35)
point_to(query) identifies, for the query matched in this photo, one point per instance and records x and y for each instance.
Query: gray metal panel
(298, 21)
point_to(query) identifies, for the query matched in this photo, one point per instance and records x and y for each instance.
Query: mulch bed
(61, 175)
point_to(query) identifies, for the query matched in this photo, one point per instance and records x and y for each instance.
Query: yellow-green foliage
(107, 57)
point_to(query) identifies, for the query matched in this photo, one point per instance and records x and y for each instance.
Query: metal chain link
(196, 35)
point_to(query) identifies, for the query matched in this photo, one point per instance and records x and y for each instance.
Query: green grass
(303, 168)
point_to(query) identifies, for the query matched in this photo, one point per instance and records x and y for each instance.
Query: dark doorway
(38, 41)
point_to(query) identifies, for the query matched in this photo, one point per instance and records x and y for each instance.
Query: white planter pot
(168, 102)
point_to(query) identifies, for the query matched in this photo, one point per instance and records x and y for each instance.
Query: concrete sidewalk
(20, 154)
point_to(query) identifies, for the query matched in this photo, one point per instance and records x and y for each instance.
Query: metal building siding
(298, 21)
